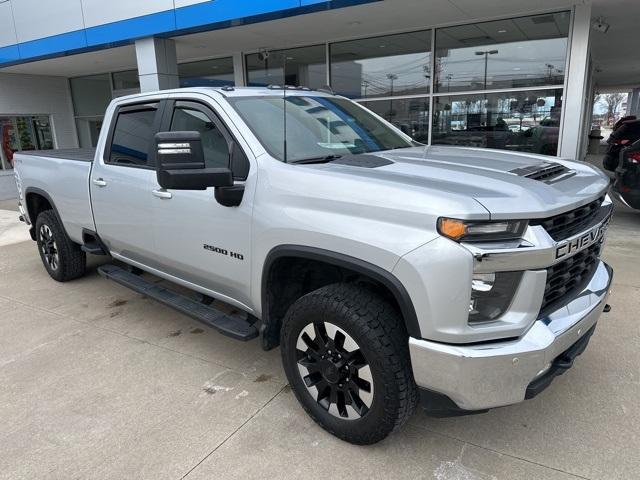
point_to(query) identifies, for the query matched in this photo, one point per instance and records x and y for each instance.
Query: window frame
(128, 108)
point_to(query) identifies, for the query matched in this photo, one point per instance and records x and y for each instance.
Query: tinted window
(306, 66)
(411, 115)
(208, 73)
(133, 137)
(517, 52)
(382, 66)
(216, 149)
(526, 121)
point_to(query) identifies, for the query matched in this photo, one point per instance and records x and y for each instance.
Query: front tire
(63, 259)
(345, 352)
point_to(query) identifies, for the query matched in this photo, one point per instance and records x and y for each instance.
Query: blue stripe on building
(200, 17)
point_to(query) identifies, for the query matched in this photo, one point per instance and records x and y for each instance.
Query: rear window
(133, 136)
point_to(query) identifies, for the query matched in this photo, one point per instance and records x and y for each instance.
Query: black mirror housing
(181, 164)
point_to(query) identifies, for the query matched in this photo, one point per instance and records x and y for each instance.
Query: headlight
(491, 295)
(481, 231)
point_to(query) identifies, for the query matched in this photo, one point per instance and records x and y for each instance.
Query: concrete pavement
(7, 185)
(99, 382)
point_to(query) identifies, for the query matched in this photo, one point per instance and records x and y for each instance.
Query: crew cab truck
(388, 272)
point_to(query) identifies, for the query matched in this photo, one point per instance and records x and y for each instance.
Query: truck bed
(63, 176)
(76, 154)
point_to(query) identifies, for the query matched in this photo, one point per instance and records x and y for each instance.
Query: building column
(238, 69)
(633, 102)
(576, 94)
(157, 64)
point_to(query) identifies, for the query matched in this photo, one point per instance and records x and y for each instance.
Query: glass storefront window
(382, 66)
(127, 80)
(304, 66)
(518, 52)
(207, 73)
(18, 133)
(526, 121)
(411, 115)
(91, 95)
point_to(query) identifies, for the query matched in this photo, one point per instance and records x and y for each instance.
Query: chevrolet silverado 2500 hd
(388, 272)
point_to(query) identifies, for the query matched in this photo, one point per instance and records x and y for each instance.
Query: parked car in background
(624, 134)
(627, 184)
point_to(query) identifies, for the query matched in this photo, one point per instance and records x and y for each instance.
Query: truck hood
(496, 179)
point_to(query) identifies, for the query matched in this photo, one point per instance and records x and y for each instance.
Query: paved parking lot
(99, 382)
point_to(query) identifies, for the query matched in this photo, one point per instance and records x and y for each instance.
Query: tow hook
(607, 308)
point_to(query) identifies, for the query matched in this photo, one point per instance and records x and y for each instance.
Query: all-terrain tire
(379, 332)
(62, 258)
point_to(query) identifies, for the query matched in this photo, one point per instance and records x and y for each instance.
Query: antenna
(284, 99)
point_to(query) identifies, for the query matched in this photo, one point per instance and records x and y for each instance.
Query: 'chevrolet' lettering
(583, 241)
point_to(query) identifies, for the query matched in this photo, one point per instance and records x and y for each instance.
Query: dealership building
(516, 75)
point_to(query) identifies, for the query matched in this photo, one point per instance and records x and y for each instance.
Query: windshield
(316, 127)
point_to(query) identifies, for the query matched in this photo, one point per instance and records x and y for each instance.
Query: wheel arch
(37, 200)
(271, 321)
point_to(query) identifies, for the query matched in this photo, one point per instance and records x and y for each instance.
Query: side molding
(378, 274)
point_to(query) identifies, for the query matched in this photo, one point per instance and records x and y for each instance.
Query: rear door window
(132, 139)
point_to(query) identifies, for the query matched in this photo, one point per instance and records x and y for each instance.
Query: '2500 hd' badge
(585, 240)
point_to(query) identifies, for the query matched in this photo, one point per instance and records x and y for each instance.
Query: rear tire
(62, 258)
(345, 352)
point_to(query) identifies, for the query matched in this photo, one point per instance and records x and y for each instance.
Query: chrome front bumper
(487, 375)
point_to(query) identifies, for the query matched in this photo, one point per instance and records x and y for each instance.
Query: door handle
(162, 194)
(99, 182)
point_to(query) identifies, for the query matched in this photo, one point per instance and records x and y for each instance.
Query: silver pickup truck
(389, 273)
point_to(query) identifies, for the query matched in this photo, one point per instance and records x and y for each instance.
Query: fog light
(483, 282)
(491, 295)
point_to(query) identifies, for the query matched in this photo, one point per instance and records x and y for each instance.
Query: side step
(93, 248)
(231, 326)
(92, 243)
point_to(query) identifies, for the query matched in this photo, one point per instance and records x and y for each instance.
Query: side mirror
(181, 166)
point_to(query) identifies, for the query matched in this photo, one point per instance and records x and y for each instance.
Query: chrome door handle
(99, 182)
(162, 194)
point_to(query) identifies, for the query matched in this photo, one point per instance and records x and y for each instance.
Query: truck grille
(567, 224)
(569, 277)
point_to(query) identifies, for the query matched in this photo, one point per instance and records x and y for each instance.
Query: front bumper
(494, 374)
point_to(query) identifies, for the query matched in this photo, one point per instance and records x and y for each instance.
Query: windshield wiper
(325, 159)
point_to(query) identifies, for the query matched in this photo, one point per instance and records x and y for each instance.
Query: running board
(227, 325)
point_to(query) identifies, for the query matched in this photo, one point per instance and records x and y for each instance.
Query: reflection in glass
(19, 133)
(524, 121)
(91, 95)
(316, 127)
(127, 80)
(88, 129)
(411, 115)
(208, 73)
(382, 66)
(518, 52)
(305, 67)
